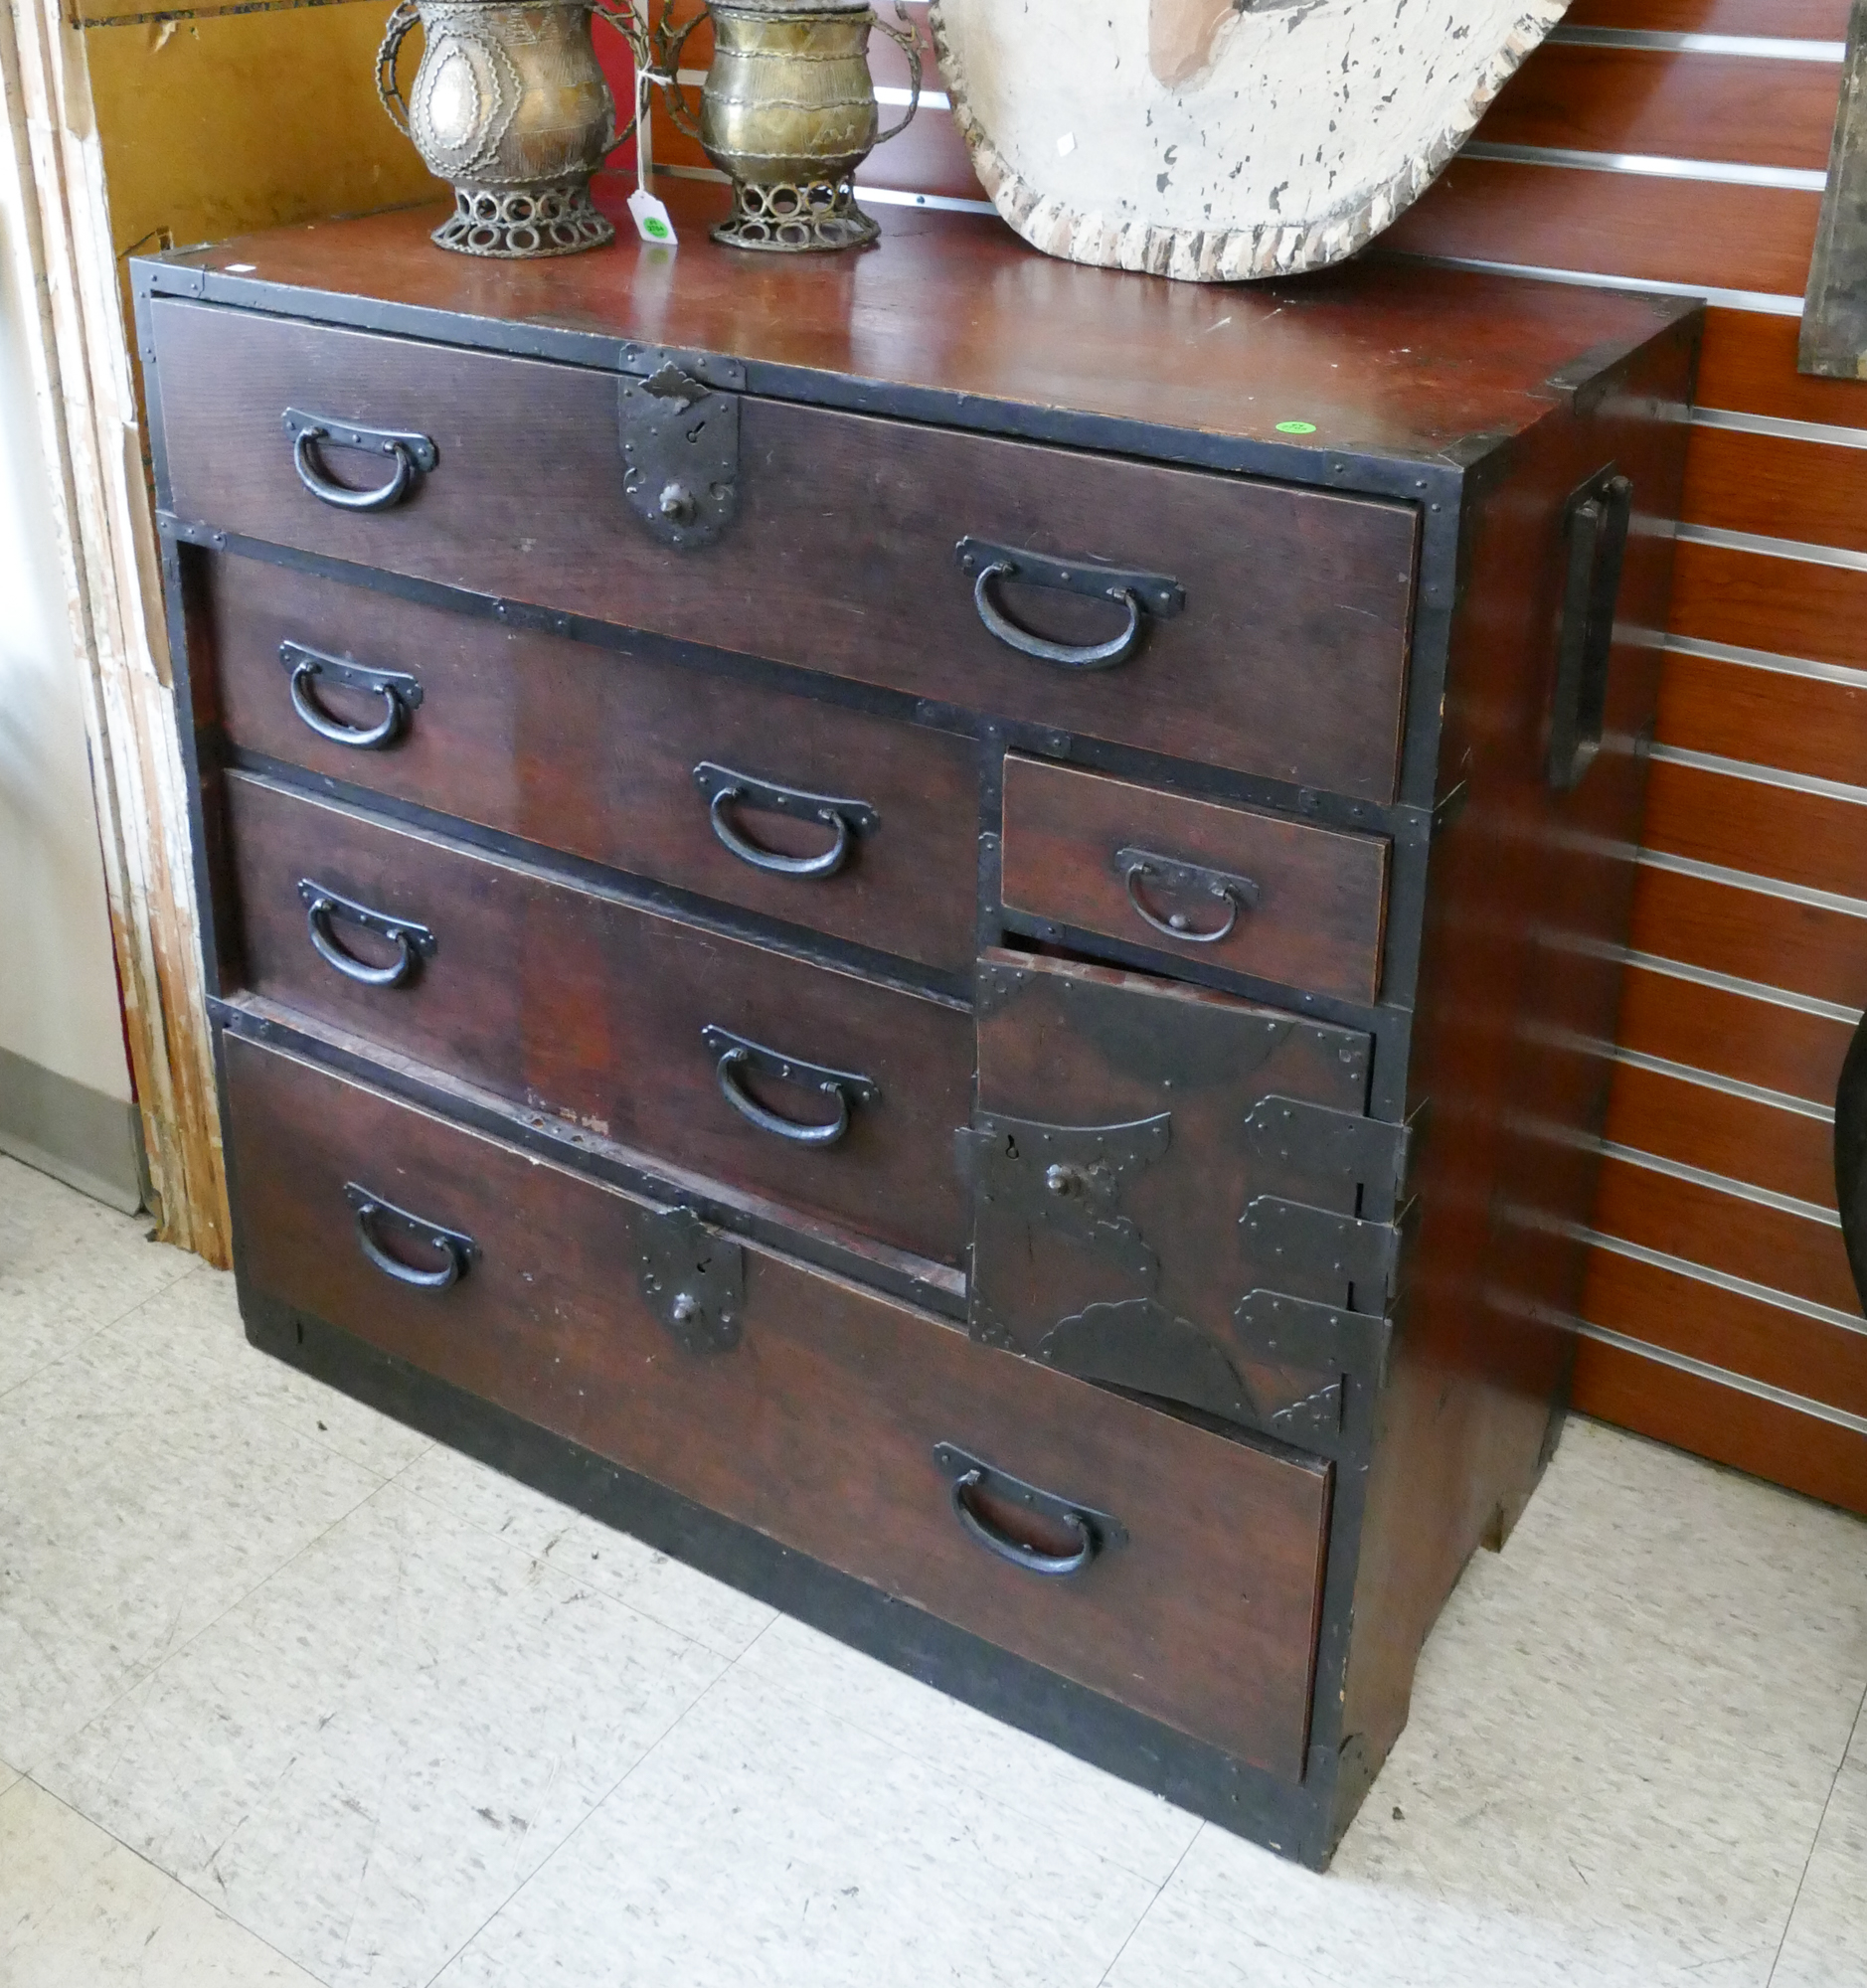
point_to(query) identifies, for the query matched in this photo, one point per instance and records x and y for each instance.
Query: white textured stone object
(1217, 140)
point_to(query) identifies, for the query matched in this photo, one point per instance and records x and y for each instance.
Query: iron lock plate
(691, 1277)
(680, 455)
(1066, 1178)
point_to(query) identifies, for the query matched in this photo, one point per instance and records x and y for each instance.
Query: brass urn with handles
(511, 109)
(789, 112)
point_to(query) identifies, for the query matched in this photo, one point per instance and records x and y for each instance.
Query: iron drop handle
(1235, 893)
(310, 433)
(723, 789)
(736, 1054)
(1595, 523)
(457, 1250)
(1851, 1155)
(1093, 1532)
(400, 694)
(413, 942)
(1137, 593)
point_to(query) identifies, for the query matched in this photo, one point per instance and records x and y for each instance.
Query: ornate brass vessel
(510, 109)
(788, 113)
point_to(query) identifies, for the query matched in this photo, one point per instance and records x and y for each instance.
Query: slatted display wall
(1680, 145)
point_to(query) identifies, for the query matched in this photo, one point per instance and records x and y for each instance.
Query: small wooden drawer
(635, 1024)
(817, 1424)
(596, 752)
(1297, 904)
(1276, 645)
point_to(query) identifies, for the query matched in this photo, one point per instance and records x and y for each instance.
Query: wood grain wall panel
(1756, 600)
(1748, 365)
(1731, 1035)
(1751, 935)
(1660, 101)
(1768, 717)
(1821, 1459)
(1695, 232)
(1776, 487)
(1745, 1238)
(1765, 1342)
(1792, 20)
(1765, 1146)
(1765, 831)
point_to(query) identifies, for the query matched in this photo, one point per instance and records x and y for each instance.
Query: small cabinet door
(1167, 1192)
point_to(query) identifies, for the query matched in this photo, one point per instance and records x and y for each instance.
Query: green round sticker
(657, 226)
(1297, 427)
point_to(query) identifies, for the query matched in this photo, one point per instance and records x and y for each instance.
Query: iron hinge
(1299, 1332)
(1318, 1139)
(1317, 1254)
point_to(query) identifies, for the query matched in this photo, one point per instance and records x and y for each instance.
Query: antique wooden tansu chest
(939, 929)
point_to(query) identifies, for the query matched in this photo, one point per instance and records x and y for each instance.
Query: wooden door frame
(64, 264)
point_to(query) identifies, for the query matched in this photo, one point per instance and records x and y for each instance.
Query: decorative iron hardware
(1313, 1252)
(1139, 1344)
(722, 788)
(692, 1278)
(401, 694)
(1316, 1416)
(1317, 1139)
(457, 1250)
(737, 1054)
(1095, 1532)
(413, 455)
(1140, 595)
(1235, 893)
(680, 455)
(1068, 1178)
(413, 941)
(1299, 1332)
(1595, 528)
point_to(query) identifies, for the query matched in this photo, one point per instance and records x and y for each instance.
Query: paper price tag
(651, 218)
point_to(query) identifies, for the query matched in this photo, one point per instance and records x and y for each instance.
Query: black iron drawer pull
(401, 694)
(456, 1250)
(737, 1054)
(1095, 1531)
(413, 941)
(1139, 594)
(723, 789)
(1236, 894)
(412, 455)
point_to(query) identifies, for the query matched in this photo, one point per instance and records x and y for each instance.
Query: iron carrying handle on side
(412, 455)
(400, 695)
(736, 1054)
(1095, 1531)
(1851, 1155)
(1140, 596)
(723, 789)
(1595, 528)
(413, 942)
(1236, 894)
(456, 1250)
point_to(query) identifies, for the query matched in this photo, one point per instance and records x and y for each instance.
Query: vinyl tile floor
(291, 1695)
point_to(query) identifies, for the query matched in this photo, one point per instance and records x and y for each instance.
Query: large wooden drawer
(1287, 661)
(594, 752)
(818, 1427)
(574, 1001)
(1257, 893)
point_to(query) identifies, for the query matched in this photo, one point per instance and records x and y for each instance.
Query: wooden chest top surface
(1382, 357)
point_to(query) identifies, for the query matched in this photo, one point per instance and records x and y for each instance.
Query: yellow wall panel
(223, 123)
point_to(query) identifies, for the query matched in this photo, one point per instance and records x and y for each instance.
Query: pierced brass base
(558, 218)
(795, 219)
